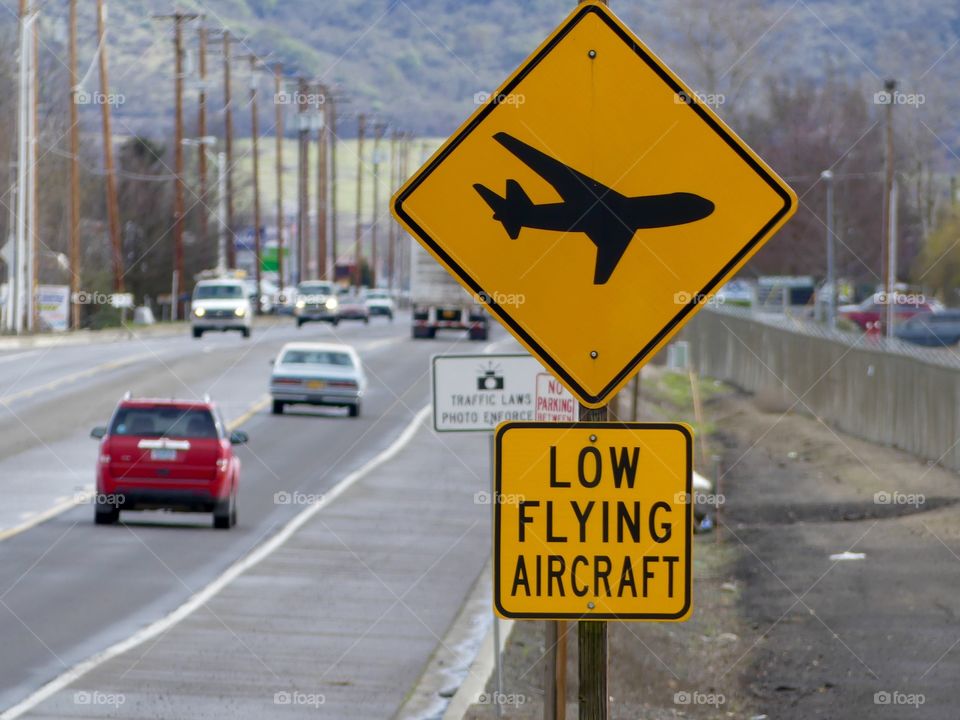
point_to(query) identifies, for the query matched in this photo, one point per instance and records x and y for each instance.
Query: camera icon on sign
(490, 381)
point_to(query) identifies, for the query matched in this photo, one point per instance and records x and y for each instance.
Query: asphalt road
(68, 588)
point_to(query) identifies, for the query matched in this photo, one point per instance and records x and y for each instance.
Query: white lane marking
(65, 379)
(15, 356)
(203, 596)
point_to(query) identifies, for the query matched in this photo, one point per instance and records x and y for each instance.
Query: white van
(221, 305)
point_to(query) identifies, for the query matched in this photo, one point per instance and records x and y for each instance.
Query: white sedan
(317, 374)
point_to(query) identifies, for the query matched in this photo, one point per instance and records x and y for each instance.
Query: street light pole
(827, 177)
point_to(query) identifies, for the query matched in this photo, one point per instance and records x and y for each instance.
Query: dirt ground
(781, 630)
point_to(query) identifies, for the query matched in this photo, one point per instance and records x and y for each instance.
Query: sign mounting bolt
(592, 54)
(594, 354)
(593, 438)
(590, 605)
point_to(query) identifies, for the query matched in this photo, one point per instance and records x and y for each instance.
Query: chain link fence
(884, 391)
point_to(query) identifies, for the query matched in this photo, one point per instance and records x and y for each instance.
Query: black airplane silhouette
(608, 218)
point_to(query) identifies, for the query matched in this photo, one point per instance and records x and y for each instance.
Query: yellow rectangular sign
(593, 521)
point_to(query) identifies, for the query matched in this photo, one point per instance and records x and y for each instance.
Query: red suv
(167, 454)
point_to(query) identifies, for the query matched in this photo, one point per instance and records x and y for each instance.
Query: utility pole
(202, 131)
(255, 132)
(113, 210)
(322, 190)
(358, 229)
(392, 229)
(888, 272)
(278, 135)
(378, 130)
(331, 109)
(303, 169)
(19, 285)
(33, 317)
(74, 246)
(228, 149)
(178, 184)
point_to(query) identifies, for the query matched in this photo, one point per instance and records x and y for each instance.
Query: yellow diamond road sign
(593, 203)
(593, 521)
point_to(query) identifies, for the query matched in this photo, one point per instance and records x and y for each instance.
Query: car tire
(354, 410)
(246, 332)
(278, 407)
(366, 320)
(480, 334)
(225, 513)
(300, 322)
(390, 317)
(335, 322)
(106, 514)
(197, 333)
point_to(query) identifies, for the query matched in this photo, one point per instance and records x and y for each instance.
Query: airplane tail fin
(511, 210)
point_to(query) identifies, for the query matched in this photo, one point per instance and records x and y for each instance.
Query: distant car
(873, 310)
(931, 329)
(379, 302)
(220, 305)
(353, 306)
(316, 302)
(318, 374)
(167, 454)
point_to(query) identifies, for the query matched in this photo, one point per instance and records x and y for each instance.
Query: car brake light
(342, 383)
(286, 381)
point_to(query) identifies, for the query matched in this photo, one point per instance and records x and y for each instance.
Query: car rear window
(218, 292)
(164, 422)
(316, 357)
(316, 289)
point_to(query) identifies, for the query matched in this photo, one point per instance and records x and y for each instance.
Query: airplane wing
(573, 186)
(612, 241)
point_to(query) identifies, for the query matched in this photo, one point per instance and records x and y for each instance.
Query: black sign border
(688, 521)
